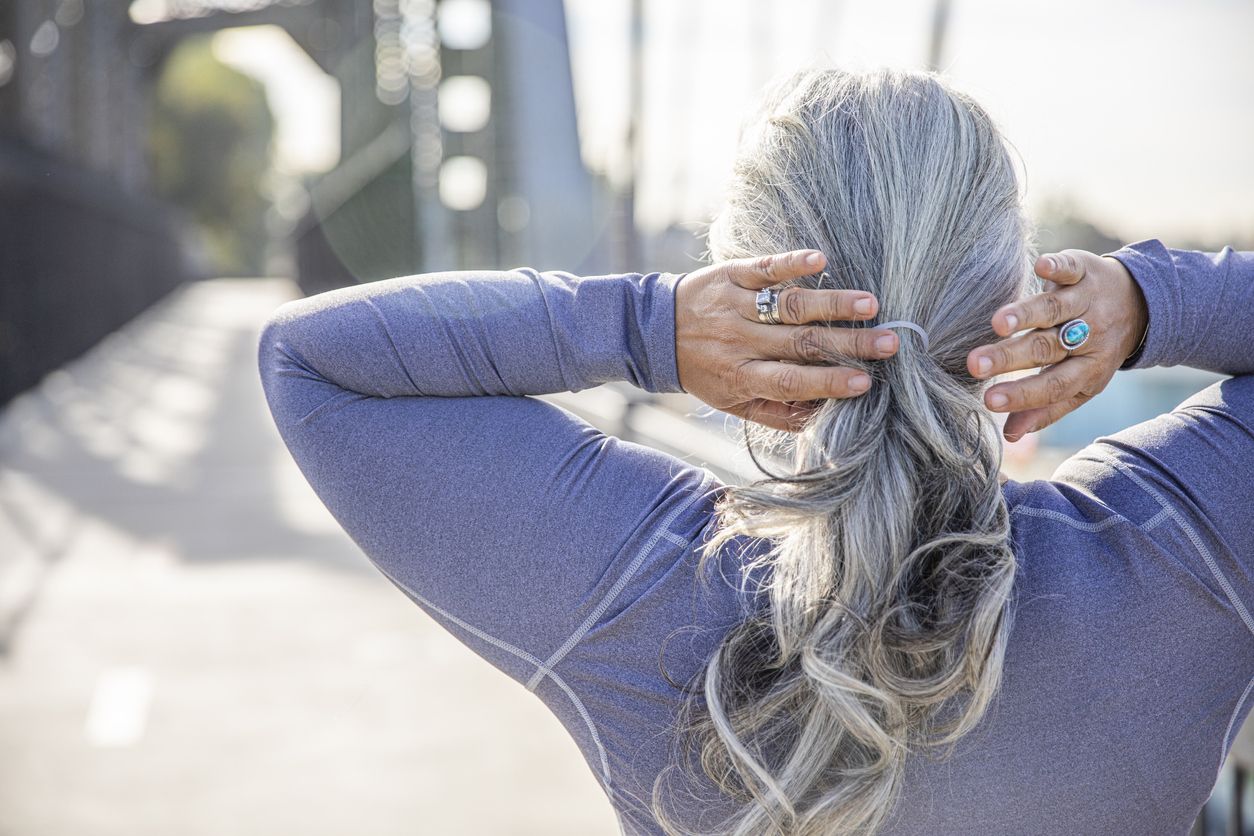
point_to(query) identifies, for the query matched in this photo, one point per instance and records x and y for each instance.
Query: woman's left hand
(1098, 289)
(768, 373)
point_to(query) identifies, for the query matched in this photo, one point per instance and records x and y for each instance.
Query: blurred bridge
(497, 181)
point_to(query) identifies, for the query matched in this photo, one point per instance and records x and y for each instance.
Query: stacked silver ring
(768, 307)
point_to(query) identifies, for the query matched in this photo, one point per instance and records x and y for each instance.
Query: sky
(1140, 113)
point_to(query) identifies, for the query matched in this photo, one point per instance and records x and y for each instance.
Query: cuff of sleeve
(1152, 268)
(660, 335)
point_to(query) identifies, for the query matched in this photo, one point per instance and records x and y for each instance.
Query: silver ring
(1074, 334)
(768, 306)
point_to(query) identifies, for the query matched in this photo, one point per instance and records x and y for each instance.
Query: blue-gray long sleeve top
(567, 557)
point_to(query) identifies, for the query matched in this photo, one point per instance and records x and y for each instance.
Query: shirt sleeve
(1187, 476)
(1186, 479)
(1201, 307)
(515, 524)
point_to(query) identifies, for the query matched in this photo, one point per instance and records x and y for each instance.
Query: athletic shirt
(567, 557)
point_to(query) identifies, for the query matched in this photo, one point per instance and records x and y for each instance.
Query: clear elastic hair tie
(902, 323)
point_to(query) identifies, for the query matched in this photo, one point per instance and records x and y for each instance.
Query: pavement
(190, 645)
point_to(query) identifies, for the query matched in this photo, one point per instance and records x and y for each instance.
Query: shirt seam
(1208, 558)
(580, 708)
(1232, 721)
(1194, 538)
(660, 533)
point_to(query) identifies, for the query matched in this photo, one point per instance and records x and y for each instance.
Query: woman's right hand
(773, 374)
(1098, 289)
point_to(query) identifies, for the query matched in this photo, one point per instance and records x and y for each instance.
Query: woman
(883, 638)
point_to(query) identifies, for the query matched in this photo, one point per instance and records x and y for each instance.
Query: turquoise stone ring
(1073, 334)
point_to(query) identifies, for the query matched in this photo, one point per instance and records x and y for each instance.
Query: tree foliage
(210, 141)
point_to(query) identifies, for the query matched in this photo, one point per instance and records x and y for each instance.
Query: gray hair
(890, 564)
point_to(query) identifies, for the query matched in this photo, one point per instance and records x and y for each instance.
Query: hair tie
(902, 323)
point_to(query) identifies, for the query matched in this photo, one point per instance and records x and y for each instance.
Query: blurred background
(188, 643)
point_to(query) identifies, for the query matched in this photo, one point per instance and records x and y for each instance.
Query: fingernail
(1012, 321)
(864, 306)
(814, 259)
(1012, 437)
(859, 383)
(997, 400)
(984, 365)
(1053, 263)
(885, 344)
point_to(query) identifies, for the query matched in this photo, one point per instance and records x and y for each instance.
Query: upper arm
(508, 519)
(1195, 466)
(1189, 476)
(1185, 579)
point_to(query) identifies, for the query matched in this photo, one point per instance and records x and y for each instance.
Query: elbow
(279, 333)
(277, 356)
(270, 343)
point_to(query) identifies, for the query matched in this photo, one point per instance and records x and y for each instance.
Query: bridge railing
(78, 258)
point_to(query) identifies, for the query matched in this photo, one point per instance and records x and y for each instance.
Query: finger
(778, 381)
(757, 273)
(799, 305)
(1021, 423)
(822, 343)
(774, 414)
(1043, 310)
(1026, 351)
(1066, 267)
(1034, 420)
(1055, 384)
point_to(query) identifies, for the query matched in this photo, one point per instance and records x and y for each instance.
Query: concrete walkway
(190, 645)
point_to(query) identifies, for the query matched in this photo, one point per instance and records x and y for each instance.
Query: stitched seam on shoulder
(522, 654)
(1194, 538)
(675, 538)
(1154, 521)
(1058, 516)
(592, 728)
(615, 591)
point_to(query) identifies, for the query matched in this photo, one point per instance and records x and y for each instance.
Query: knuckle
(1076, 261)
(1029, 311)
(1053, 307)
(842, 306)
(767, 265)
(741, 379)
(839, 306)
(1042, 349)
(836, 383)
(792, 304)
(787, 383)
(1055, 388)
(864, 343)
(724, 334)
(808, 344)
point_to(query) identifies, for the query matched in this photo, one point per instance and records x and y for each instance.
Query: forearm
(451, 334)
(1201, 307)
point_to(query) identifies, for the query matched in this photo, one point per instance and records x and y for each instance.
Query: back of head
(890, 570)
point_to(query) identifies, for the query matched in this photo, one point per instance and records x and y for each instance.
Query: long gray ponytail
(890, 565)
